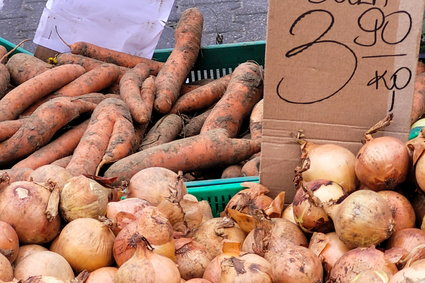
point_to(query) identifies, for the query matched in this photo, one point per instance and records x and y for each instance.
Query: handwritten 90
(373, 27)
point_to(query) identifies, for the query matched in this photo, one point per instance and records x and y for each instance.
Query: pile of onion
(191, 257)
(360, 260)
(27, 250)
(234, 266)
(6, 270)
(288, 214)
(195, 213)
(82, 197)
(409, 243)
(152, 225)
(146, 264)
(401, 209)
(51, 174)
(413, 273)
(329, 162)
(102, 275)
(9, 241)
(86, 244)
(382, 163)
(45, 263)
(328, 247)
(363, 219)
(23, 205)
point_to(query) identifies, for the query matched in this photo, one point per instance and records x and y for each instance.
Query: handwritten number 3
(299, 49)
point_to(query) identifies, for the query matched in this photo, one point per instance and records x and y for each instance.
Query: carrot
(202, 97)
(96, 139)
(63, 162)
(112, 56)
(4, 79)
(195, 124)
(203, 151)
(40, 127)
(188, 88)
(420, 68)
(243, 92)
(130, 92)
(18, 99)
(147, 94)
(3, 52)
(58, 148)
(181, 60)
(139, 134)
(232, 171)
(23, 67)
(252, 167)
(256, 121)
(418, 106)
(8, 128)
(165, 130)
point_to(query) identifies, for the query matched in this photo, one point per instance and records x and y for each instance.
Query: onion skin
(328, 247)
(44, 263)
(43, 279)
(407, 239)
(9, 241)
(23, 205)
(360, 260)
(198, 280)
(288, 214)
(414, 273)
(51, 173)
(371, 276)
(27, 250)
(363, 219)
(86, 244)
(192, 258)
(6, 270)
(382, 163)
(102, 275)
(401, 209)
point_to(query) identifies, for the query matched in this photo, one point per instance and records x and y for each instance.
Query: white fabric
(131, 26)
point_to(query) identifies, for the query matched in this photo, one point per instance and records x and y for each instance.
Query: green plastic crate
(9, 46)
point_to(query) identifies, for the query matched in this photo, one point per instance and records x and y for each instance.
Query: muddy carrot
(232, 171)
(3, 52)
(23, 67)
(243, 92)
(252, 166)
(8, 128)
(181, 60)
(202, 97)
(4, 79)
(165, 130)
(195, 124)
(63, 162)
(147, 94)
(256, 121)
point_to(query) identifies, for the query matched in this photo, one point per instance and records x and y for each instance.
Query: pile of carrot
(107, 113)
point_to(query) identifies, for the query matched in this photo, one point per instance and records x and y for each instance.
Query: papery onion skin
(371, 276)
(9, 241)
(43, 279)
(198, 280)
(359, 260)
(27, 250)
(330, 250)
(401, 209)
(102, 275)
(363, 219)
(45, 263)
(86, 244)
(51, 173)
(6, 270)
(23, 205)
(407, 239)
(288, 213)
(382, 163)
(192, 258)
(414, 273)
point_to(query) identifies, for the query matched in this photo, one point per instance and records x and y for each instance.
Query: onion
(401, 209)
(43, 279)
(418, 203)
(295, 264)
(152, 225)
(147, 265)
(198, 280)
(371, 276)
(6, 270)
(195, 213)
(51, 174)
(213, 232)
(407, 239)
(363, 219)
(328, 247)
(102, 275)
(270, 237)
(232, 266)
(124, 211)
(314, 203)
(330, 162)
(9, 241)
(192, 258)
(45, 263)
(27, 250)
(23, 205)
(414, 273)
(82, 197)
(288, 213)
(85, 243)
(360, 260)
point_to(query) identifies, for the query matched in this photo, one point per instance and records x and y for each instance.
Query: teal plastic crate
(9, 46)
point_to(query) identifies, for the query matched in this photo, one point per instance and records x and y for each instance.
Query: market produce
(4, 79)
(232, 171)
(173, 73)
(6, 270)
(328, 247)
(86, 62)
(165, 130)
(414, 273)
(103, 274)
(191, 257)
(9, 241)
(26, 250)
(9, 127)
(401, 209)
(23, 67)
(194, 126)
(252, 166)
(256, 120)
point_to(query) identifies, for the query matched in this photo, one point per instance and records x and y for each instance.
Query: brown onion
(43, 279)
(288, 213)
(295, 264)
(313, 204)
(26, 250)
(9, 241)
(414, 273)
(330, 162)
(371, 276)
(195, 212)
(328, 247)
(147, 265)
(152, 225)
(382, 163)
(124, 211)
(363, 219)
(23, 205)
(418, 203)
(51, 173)
(401, 209)
(198, 280)
(82, 197)
(6, 270)
(213, 232)
(85, 243)
(359, 260)
(44, 263)
(407, 239)
(192, 258)
(102, 275)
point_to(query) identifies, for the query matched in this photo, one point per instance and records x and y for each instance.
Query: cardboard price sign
(333, 69)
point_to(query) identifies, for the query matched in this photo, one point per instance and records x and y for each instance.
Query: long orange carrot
(195, 153)
(23, 67)
(18, 99)
(195, 124)
(256, 121)
(8, 128)
(63, 162)
(56, 149)
(4, 79)
(202, 97)
(165, 130)
(243, 92)
(181, 60)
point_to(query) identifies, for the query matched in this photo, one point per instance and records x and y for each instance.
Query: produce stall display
(106, 161)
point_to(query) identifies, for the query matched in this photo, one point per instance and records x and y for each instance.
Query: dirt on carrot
(4, 80)
(23, 67)
(165, 130)
(193, 127)
(256, 121)
(9, 128)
